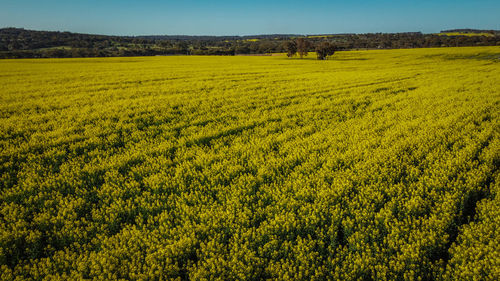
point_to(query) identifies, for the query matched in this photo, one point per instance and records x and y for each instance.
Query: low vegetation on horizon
(21, 43)
(373, 165)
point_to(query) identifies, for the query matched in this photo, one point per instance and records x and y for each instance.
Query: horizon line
(246, 35)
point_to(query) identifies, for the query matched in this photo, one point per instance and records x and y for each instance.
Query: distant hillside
(22, 43)
(468, 30)
(217, 38)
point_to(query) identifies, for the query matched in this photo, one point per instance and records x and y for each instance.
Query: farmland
(373, 165)
(465, 34)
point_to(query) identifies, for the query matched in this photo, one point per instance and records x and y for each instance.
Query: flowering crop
(373, 165)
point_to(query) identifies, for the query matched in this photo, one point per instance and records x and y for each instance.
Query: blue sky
(225, 17)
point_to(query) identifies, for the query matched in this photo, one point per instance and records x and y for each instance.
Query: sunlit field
(372, 165)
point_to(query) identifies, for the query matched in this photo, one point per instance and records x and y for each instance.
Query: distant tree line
(21, 43)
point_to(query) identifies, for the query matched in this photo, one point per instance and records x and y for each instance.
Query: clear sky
(233, 17)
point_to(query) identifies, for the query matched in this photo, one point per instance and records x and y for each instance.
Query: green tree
(291, 48)
(302, 46)
(324, 50)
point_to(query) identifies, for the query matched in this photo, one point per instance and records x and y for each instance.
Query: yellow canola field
(373, 165)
